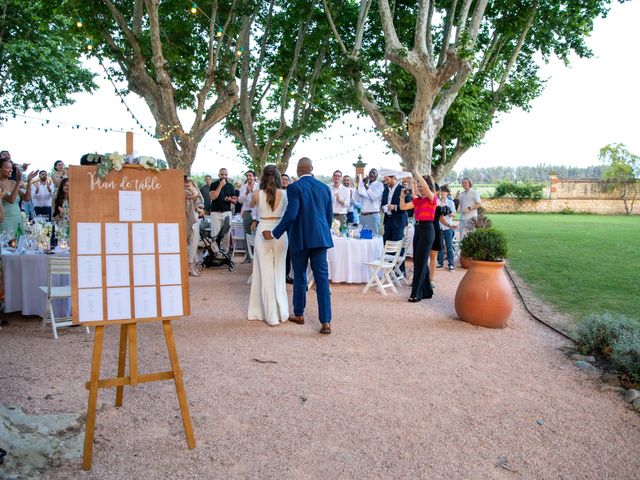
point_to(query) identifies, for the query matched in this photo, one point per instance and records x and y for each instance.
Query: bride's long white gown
(268, 299)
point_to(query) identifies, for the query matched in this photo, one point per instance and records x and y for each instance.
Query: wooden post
(177, 376)
(122, 361)
(129, 147)
(93, 397)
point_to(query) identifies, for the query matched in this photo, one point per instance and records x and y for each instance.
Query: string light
(194, 8)
(79, 23)
(89, 44)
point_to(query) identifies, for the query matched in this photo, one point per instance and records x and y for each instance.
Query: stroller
(213, 256)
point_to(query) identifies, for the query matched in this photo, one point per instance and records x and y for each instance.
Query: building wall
(555, 205)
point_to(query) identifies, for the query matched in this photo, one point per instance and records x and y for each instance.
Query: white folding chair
(382, 270)
(251, 243)
(57, 266)
(238, 241)
(397, 274)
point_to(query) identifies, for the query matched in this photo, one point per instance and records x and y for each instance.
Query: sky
(584, 107)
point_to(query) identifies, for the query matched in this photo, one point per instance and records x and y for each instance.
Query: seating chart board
(128, 245)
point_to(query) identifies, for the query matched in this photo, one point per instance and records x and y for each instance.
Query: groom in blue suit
(307, 220)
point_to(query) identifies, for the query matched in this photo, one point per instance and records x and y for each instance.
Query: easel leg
(122, 360)
(93, 397)
(133, 354)
(182, 396)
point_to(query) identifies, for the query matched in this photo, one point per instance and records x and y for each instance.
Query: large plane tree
(408, 62)
(175, 55)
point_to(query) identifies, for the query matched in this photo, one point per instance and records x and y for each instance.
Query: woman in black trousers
(424, 205)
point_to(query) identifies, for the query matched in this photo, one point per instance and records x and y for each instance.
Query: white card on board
(168, 238)
(118, 271)
(145, 302)
(171, 301)
(90, 305)
(143, 238)
(116, 238)
(144, 270)
(118, 303)
(89, 239)
(130, 206)
(89, 271)
(170, 269)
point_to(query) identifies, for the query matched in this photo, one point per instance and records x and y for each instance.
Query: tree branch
(428, 33)
(343, 49)
(476, 20)
(138, 12)
(422, 20)
(462, 19)
(365, 5)
(451, 13)
(263, 49)
(390, 36)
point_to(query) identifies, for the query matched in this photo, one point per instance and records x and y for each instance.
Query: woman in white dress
(268, 299)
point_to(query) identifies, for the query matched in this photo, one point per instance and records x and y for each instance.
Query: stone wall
(584, 189)
(605, 206)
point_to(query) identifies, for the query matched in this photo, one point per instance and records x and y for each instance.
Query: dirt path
(399, 390)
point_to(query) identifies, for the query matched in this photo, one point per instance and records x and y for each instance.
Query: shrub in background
(626, 355)
(598, 333)
(520, 190)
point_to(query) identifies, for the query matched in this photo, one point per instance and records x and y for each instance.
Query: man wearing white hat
(394, 219)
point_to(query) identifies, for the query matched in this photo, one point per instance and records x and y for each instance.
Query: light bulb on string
(79, 23)
(219, 32)
(194, 8)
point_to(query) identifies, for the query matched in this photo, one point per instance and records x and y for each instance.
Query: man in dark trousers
(394, 219)
(307, 220)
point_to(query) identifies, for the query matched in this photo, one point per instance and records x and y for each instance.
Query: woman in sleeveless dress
(268, 299)
(12, 192)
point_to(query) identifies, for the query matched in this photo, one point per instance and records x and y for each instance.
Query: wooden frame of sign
(128, 265)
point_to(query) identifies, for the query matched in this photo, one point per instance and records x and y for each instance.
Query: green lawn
(581, 264)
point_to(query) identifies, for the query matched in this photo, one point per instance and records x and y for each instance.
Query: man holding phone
(222, 195)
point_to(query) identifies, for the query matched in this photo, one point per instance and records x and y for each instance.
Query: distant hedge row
(520, 190)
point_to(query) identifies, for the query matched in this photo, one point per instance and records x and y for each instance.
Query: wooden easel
(95, 202)
(128, 337)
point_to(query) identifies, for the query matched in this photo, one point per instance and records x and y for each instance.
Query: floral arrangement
(115, 161)
(42, 233)
(335, 227)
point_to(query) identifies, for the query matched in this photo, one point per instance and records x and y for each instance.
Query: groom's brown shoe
(297, 319)
(326, 328)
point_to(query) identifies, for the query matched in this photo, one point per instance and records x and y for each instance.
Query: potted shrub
(484, 295)
(481, 222)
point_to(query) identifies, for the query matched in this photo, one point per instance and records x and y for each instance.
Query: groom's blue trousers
(320, 269)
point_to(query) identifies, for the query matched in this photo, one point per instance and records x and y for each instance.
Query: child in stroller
(213, 256)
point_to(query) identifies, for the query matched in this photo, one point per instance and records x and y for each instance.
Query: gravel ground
(399, 390)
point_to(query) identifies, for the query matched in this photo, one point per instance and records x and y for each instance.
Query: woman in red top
(424, 207)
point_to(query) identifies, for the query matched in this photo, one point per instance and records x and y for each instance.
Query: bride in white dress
(268, 299)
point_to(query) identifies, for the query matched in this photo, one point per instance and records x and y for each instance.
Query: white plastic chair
(251, 243)
(382, 270)
(238, 242)
(396, 274)
(57, 266)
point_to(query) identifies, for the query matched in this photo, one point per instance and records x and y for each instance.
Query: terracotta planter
(484, 295)
(465, 262)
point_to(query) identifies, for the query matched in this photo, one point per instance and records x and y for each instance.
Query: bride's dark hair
(270, 182)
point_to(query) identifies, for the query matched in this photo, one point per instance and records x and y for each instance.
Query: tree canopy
(410, 62)
(288, 82)
(40, 61)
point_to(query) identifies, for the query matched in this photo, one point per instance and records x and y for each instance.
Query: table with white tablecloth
(348, 256)
(23, 275)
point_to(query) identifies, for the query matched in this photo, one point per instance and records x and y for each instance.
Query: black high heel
(414, 299)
